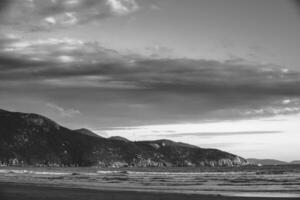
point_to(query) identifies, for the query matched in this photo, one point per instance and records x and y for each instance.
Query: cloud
(212, 134)
(65, 58)
(297, 2)
(221, 131)
(3, 5)
(286, 101)
(182, 88)
(159, 51)
(38, 15)
(63, 112)
(122, 7)
(155, 7)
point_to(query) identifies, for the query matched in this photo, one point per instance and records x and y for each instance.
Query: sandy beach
(16, 191)
(90, 183)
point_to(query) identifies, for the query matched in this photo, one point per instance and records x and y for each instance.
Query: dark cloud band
(194, 88)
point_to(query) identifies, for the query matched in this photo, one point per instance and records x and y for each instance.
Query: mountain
(295, 162)
(255, 161)
(32, 139)
(168, 143)
(119, 138)
(87, 132)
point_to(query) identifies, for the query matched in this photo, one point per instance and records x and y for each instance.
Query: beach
(14, 191)
(93, 183)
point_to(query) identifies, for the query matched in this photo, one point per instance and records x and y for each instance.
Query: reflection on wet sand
(264, 183)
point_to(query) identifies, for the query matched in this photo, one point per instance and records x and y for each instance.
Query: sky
(217, 74)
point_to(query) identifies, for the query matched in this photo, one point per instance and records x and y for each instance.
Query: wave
(111, 172)
(170, 173)
(187, 173)
(5, 171)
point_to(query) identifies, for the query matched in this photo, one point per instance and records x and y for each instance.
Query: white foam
(186, 173)
(50, 173)
(6, 171)
(108, 172)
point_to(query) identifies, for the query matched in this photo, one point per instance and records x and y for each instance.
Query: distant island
(254, 161)
(32, 139)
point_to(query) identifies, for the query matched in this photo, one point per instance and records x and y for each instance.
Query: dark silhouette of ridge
(31, 139)
(119, 138)
(87, 132)
(254, 161)
(295, 162)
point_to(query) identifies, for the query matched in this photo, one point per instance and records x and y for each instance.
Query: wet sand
(17, 191)
(92, 183)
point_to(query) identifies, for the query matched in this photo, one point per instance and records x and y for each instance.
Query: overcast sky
(219, 74)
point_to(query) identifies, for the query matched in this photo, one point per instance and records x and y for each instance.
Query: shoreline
(26, 191)
(20, 183)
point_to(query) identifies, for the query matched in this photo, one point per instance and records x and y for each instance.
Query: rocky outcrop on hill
(31, 139)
